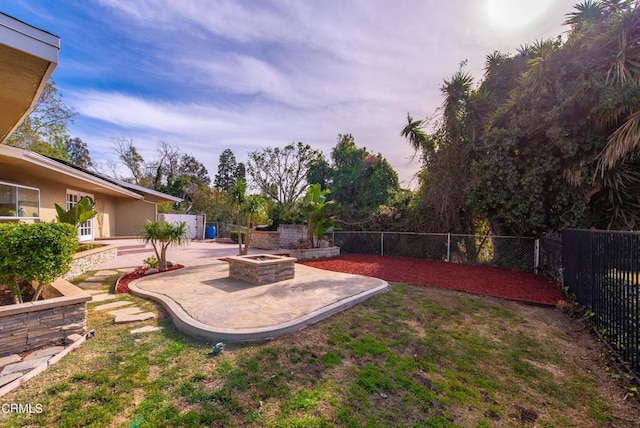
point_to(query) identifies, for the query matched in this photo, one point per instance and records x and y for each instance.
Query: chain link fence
(504, 251)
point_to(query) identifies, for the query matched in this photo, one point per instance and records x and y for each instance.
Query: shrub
(233, 235)
(151, 261)
(36, 253)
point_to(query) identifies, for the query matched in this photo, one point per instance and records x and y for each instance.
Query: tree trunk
(36, 294)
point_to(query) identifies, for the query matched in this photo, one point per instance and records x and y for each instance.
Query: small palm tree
(162, 235)
(248, 211)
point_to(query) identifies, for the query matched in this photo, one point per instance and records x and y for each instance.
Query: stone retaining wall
(315, 253)
(265, 240)
(31, 325)
(291, 234)
(85, 260)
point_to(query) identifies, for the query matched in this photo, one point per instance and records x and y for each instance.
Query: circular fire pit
(259, 269)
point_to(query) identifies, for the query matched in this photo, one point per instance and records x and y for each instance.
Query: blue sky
(205, 75)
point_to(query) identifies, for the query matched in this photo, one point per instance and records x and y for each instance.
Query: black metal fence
(504, 251)
(602, 270)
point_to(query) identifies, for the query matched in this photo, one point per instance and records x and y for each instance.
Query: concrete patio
(206, 304)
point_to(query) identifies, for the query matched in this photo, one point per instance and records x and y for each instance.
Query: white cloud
(246, 74)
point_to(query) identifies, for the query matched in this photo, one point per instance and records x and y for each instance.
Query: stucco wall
(52, 193)
(132, 214)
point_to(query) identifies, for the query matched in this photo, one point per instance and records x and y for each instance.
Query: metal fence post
(382, 243)
(448, 246)
(536, 255)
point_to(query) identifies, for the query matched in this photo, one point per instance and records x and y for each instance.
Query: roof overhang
(27, 59)
(15, 160)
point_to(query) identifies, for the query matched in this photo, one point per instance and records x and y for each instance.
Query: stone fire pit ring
(260, 269)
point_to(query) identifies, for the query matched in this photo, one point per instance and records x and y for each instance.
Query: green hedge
(36, 253)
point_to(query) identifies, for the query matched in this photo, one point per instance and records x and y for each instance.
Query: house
(31, 184)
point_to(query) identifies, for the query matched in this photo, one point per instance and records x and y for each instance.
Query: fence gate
(195, 223)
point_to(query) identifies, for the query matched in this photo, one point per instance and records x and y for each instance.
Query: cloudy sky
(206, 75)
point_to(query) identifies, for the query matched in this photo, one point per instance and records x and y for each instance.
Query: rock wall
(85, 260)
(47, 322)
(315, 253)
(291, 234)
(265, 240)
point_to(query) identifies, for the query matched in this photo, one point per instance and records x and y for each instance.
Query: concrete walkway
(131, 253)
(206, 304)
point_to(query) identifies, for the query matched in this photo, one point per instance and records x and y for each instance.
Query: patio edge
(189, 326)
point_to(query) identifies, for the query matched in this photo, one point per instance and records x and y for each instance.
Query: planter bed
(85, 260)
(31, 325)
(314, 253)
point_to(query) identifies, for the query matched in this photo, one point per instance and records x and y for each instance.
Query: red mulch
(487, 280)
(122, 286)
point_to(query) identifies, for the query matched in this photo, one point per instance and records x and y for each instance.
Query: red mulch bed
(487, 280)
(122, 286)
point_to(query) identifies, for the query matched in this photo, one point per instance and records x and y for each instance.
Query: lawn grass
(413, 356)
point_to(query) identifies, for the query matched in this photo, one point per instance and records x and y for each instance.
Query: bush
(234, 236)
(36, 253)
(151, 261)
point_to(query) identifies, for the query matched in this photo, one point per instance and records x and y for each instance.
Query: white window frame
(85, 230)
(18, 209)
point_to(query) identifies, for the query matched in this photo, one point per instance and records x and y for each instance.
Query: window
(18, 201)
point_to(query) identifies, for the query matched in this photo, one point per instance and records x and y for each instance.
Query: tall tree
(78, 153)
(129, 156)
(280, 173)
(361, 181)
(228, 170)
(45, 129)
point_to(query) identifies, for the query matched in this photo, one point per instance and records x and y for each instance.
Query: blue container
(210, 232)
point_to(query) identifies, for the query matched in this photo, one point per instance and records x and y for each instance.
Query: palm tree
(539, 76)
(237, 194)
(622, 42)
(414, 133)
(456, 92)
(162, 235)
(588, 12)
(249, 210)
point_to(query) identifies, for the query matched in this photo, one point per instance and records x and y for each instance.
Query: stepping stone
(102, 297)
(95, 291)
(45, 352)
(112, 305)
(121, 319)
(90, 284)
(126, 311)
(9, 378)
(23, 366)
(146, 329)
(96, 279)
(9, 359)
(106, 273)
